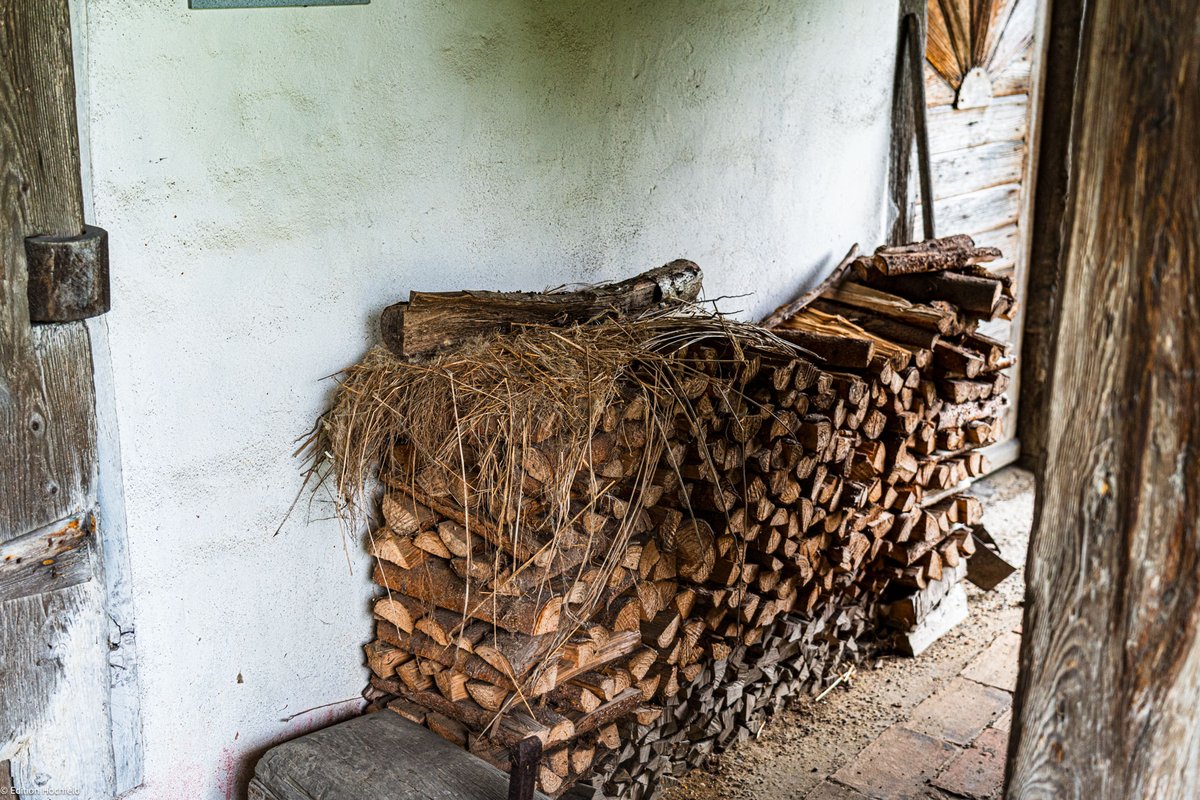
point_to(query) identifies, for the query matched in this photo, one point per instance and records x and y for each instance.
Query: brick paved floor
(953, 744)
(931, 727)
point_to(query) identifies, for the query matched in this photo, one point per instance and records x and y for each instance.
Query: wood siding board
(55, 557)
(1007, 239)
(996, 328)
(1016, 38)
(1029, 182)
(54, 658)
(1110, 659)
(1010, 242)
(939, 48)
(1005, 119)
(978, 212)
(998, 17)
(957, 17)
(982, 160)
(937, 91)
(1005, 54)
(983, 166)
(1016, 78)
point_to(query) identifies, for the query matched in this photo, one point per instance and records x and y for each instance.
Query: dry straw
(473, 424)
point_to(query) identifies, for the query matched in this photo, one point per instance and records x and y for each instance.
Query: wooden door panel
(53, 705)
(55, 733)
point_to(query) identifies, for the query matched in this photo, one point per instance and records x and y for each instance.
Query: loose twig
(317, 708)
(846, 677)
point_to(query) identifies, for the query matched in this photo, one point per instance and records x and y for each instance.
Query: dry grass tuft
(474, 425)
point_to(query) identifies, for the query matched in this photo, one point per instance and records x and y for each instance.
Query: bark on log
(432, 321)
(951, 252)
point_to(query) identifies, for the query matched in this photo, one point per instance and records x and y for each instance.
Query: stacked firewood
(712, 570)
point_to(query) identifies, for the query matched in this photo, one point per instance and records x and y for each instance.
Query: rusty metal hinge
(68, 276)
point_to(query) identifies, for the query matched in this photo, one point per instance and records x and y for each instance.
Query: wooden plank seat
(380, 756)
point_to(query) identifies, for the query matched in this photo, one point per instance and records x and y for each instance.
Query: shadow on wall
(237, 766)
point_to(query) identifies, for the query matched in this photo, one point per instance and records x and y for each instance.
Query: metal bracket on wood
(522, 780)
(68, 276)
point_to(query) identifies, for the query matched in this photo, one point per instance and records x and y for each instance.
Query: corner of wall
(124, 698)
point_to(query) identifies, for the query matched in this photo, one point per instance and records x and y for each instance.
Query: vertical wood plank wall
(982, 157)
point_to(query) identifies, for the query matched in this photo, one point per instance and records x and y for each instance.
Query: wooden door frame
(56, 640)
(1106, 702)
(1057, 117)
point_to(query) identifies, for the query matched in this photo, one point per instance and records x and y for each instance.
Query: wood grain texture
(53, 699)
(1110, 662)
(54, 723)
(980, 167)
(1053, 189)
(380, 756)
(1006, 119)
(55, 557)
(980, 211)
(432, 321)
(965, 34)
(1007, 240)
(45, 465)
(1014, 38)
(1018, 76)
(983, 157)
(904, 127)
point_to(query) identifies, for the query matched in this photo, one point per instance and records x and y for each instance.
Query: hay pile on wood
(633, 534)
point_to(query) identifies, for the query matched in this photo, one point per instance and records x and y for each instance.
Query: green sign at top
(271, 3)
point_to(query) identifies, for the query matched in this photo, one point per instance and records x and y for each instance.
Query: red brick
(997, 665)
(978, 771)
(959, 711)
(897, 765)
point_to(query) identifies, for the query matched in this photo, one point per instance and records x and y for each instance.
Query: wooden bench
(380, 756)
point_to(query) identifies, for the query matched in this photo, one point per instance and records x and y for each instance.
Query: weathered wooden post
(1107, 703)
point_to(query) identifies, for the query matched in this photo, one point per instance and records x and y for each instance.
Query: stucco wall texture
(271, 179)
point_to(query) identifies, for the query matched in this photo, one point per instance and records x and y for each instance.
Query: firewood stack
(719, 552)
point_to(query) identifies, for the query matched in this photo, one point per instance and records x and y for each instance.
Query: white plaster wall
(271, 179)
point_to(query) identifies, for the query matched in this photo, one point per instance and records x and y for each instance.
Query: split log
(435, 583)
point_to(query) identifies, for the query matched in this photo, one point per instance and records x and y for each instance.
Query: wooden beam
(46, 454)
(1059, 117)
(1110, 662)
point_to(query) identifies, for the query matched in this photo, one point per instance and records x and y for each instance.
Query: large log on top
(431, 321)
(931, 255)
